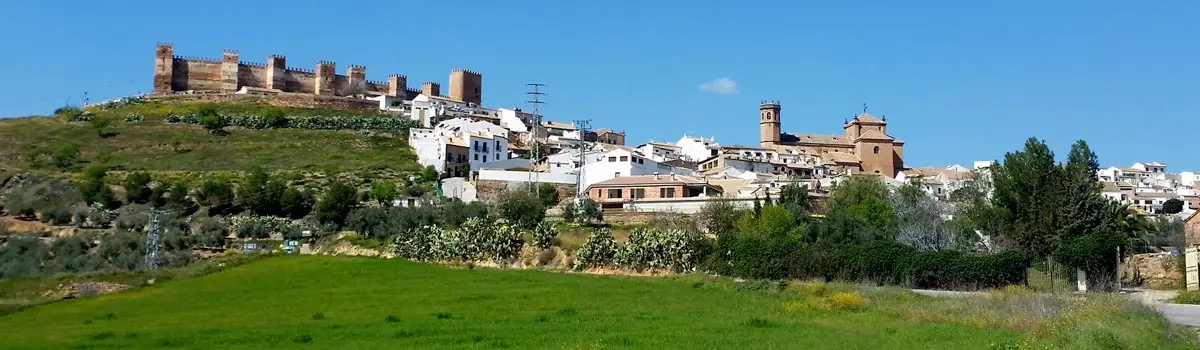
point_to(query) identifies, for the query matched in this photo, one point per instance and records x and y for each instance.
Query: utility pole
(152, 246)
(535, 98)
(583, 125)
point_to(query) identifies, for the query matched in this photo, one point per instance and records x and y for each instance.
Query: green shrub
(1187, 297)
(544, 234)
(880, 262)
(477, 239)
(598, 250)
(521, 207)
(137, 188)
(337, 203)
(658, 249)
(359, 122)
(57, 215)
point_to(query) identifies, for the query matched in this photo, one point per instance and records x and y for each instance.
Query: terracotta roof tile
(818, 138)
(649, 180)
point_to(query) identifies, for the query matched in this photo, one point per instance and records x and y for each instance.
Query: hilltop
(138, 136)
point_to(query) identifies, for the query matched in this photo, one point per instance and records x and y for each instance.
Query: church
(863, 147)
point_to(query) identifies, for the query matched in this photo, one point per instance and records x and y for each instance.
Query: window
(476, 157)
(485, 160)
(624, 158)
(614, 193)
(617, 174)
(612, 159)
(666, 192)
(876, 150)
(637, 193)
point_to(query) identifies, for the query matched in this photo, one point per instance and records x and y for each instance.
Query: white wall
(744, 166)
(697, 148)
(523, 176)
(682, 206)
(511, 121)
(429, 146)
(610, 165)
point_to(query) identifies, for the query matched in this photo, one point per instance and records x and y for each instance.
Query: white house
(430, 147)
(567, 160)
(515, 120)
(484, 147)
(622, 162)
(696, 149)
(659, 152)
(1150, 167)
(1151, 203)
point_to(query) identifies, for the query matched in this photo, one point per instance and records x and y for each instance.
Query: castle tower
(466, 86)
(325, 78)
(164, 68)
(397, 85)
(276, 72)
(356, 79)
(430, 88)
(768, 123)
(229, 71)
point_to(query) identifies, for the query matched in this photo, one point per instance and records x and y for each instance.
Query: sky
(957, 80)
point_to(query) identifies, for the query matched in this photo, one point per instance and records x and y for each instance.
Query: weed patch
(393, 319)
(318, 316)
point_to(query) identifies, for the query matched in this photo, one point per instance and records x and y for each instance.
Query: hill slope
(146, 144)
(371, 303)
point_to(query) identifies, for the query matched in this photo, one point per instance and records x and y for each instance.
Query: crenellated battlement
(229, 74)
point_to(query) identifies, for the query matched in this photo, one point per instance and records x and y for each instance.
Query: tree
(337, 202)
(861, 210)
(429, 174)
(548, 194)
(99, 124)
(919, 220)
(254, 196)
(295, 203)
(216, 195)
(1172, 206)
(137, 188)
(719, 217)
(66, 155)
(383, 192)
(176, 141)
(177, 198)
(1026, 185)
(521, 207)
(794, 198)
(93, 189)
(776, 222)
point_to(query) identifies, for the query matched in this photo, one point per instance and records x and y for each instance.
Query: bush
(880, 262)
(1187, 297)
(359, 122)
(295, 203)
(134, 218)
(548, 193)
(65, 156)
(137, 188)
(718, 217)
(543, 235)
(217, 196)
(275, 118)
(658, 249)
(337, 203)
(598, 250)
(476, 240)
(253, 229)
(57, 215)
(521, 207)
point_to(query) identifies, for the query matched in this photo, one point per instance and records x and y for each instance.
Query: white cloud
(724, 86)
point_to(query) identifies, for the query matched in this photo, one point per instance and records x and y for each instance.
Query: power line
(583, 125)
(535, 98)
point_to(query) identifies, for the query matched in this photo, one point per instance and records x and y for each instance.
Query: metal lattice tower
(152, 245)
(535, 99)
(583, 125)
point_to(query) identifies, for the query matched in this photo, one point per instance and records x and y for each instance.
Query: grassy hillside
(327, 302)
(147, 144)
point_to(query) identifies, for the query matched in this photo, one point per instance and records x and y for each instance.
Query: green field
(330, 302)
(146, 145)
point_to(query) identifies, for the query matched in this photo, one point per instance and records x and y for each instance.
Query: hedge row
(883, 263)
(359, 122)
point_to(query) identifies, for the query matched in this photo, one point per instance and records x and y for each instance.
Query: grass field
(146, 145)
(329, 302)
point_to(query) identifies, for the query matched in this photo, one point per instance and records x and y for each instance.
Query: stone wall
(489, 190)
(1152, 270)
(196, 74)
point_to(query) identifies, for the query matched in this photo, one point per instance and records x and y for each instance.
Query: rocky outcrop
(1152, 270)
(83, 289)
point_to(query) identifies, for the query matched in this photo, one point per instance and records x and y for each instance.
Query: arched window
(876, 149)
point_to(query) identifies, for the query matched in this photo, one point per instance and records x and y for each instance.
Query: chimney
(673, 177)
(656, 175)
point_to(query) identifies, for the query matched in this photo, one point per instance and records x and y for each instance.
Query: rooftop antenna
(864, 108)
(535, 99)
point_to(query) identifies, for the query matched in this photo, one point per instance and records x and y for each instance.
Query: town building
(697, 149)
(620, 162)
(863, 147)
(620, 191)
(603, 135)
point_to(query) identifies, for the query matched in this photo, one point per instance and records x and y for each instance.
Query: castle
(229, 75)
(863, 147)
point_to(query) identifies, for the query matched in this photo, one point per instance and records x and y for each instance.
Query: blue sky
(958, 80)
